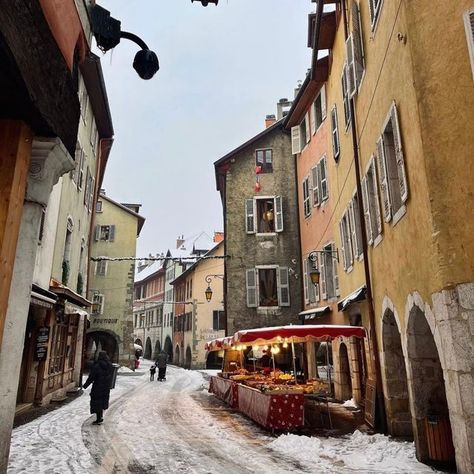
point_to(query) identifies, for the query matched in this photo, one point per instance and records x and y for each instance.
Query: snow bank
(368, 453)
(350, 404)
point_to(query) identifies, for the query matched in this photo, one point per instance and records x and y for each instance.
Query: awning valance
(314, 313)
(218, 344)
(42, 301)
(357, 295)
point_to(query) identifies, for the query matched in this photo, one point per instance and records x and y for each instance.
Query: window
(318, 112)
(218, 320)
(391, 164)
(346, 96)
(105, 233)
(41, 228)
(374, 7)
(328, 268)
(80, 159)
(84, 101)
(311, 291)
(300, 135)
(98, 206)
(306, 198)
(267, 287)
(101, 268)
(335, 134)
(370, 200)
(264, 215)
(98, 305)
(469, 25)
(320, 182)
(355, 53)
(346, 244)
(264, 159)
(356, 230)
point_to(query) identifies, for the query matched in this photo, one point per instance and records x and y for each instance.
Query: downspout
(370, 303)
(224, 204)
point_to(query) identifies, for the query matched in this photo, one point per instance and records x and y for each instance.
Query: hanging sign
(41, 348)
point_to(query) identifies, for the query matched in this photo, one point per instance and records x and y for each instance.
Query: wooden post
(15, 154)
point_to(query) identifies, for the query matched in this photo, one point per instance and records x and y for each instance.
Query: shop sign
(41, 348)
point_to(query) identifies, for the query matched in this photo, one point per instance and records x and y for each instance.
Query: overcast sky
(222, 69)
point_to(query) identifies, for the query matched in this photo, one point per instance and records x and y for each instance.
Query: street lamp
(315, 273)
(205, 3)
(208, 292)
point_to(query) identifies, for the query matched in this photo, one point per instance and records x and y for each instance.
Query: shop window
(264, 159)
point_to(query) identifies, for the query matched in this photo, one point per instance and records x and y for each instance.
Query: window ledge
(266, 234)
(377, 240)
(398, 215)
(349, 269)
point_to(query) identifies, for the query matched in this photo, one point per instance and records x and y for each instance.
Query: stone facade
(247, 251)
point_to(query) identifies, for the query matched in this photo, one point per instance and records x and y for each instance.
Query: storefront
(265, 374)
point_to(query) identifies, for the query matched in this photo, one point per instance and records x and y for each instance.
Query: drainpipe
(370, 303)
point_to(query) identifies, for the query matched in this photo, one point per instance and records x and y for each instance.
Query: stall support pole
(328, 368)
(273, 360)
(294, 359)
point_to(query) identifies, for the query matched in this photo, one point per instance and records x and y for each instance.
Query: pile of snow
(124, 368)
(350, 403)
(358, 452)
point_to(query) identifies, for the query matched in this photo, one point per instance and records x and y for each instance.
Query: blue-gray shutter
(251, 283)
(283, 287)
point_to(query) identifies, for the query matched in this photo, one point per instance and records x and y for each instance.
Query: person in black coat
(161, 362)
(100, 378)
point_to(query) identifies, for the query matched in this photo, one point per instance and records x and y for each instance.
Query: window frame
(469, 35)
(265, 168)
(335, 134)
(306, 197)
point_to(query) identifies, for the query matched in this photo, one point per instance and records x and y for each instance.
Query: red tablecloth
(225, 389)
(276, 412)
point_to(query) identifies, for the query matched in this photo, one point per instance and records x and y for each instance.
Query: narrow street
(177, 426)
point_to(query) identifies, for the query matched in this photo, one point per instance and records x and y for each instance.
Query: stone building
(117, 227)
(261, 231)
(403, 104)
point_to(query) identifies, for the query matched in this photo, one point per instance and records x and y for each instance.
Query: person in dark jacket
(161, 362)
(100, 378)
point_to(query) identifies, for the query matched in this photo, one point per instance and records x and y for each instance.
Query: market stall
(262, 375)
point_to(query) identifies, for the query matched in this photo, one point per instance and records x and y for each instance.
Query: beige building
(117, 227)
(399, 76)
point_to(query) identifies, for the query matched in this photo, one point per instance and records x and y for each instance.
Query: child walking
(152, 373)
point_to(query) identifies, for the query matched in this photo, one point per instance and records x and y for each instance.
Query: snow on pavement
(176, 427)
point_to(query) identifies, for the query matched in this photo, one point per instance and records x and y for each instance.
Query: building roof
(140, 219)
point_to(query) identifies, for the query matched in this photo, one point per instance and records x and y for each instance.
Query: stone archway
(177, 355)
(397, 403)
(430, 407)
(345, 382)
(157, 349)
(189, 357)
(139, 342)
(169, 348)
(97, 341)
(147, 354)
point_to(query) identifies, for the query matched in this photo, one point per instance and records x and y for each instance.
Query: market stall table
(225, 389)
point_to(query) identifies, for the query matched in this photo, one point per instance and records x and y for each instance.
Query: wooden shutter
(97, 233)
(355, 226)
(378, 215)
(350, 250)
(306, 281)
(250, 216)
(387, 206)
(351, 78)
(251, 282)
(278, 214)
(357, 42)
(334, 270)
(402, 178)
(323, 102)
(323, 179)
(295, 140)
(343, 249)
(365, 203)
(283, 286)
(469, 26)
(322, 277)
(372, 13)
(307, 128)
(335, 133)
(315, 178)
(111, 233)
(313, 118)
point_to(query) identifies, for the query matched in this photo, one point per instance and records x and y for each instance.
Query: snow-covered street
(177, 426)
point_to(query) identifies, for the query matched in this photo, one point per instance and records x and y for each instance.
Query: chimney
(283, 106)
(179, 241)
(269, 120)
(218, 237)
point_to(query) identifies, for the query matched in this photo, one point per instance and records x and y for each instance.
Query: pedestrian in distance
(152, 373)
(100, 377)
(161, 362)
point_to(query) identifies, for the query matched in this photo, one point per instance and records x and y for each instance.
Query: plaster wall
(248, 250)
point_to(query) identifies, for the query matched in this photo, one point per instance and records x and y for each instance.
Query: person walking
(100, 378)
(152, 373)
(161, 362)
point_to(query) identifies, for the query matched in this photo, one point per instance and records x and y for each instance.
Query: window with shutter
(368, 220)
(335, 134)
(249, 216)
(97, 233)
(356, 229)
(334, 270)
(387, 208)
(283, 287)
(469, 26)
(324, 189)
(358, 45)
(111, 233)
(278, 214)
(295, 140)
(313, 118)
(101, 268)
(251, 282)
(306, 198)
(351, 78)
(319, 108)
(80, 179)
(315, 179)
(346, 239)
(345, 96)
(306, 128)
(373, 200)
(322, 277)
(397, 142)
(322, 94)
(306, 282)
(343, 249)
(374, 8)
(87, 189)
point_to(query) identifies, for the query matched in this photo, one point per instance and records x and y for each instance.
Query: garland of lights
(154, 259)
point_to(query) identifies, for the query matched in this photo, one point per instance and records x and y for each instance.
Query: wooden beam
(15, 154)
